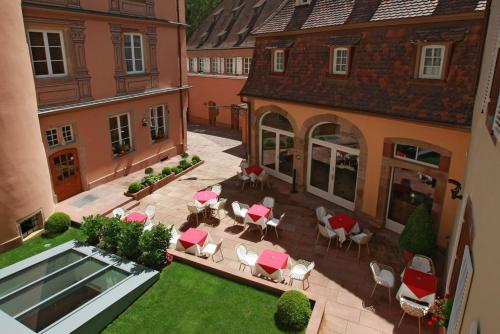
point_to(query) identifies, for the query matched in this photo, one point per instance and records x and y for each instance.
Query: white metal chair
(268, 202)
(195, 210)
(150, 212)
(211, 249)
(244, 179)
(243, 165)
(275, 223)
(119, 213)
(174, 235)
(240, 210)
(414, 309)
(217, 188)
(219, 206)
(382, 275)
(321, 215)
(263, 179)
(361, 239)
(301, 271)
(422, 263)
(327, 233)
(246, 257)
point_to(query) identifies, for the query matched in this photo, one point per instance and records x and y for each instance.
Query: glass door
(277, 153)
(345, 176)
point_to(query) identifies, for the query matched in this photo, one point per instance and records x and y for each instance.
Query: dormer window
(302, 2)
(279, 61)
(432, 61)
(339, 64)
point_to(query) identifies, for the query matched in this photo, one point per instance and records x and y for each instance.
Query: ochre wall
(25, 187)
(375, 130)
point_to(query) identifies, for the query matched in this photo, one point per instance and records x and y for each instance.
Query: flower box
(167, 179)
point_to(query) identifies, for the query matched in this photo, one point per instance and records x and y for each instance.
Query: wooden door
(235, 117)
(65, 172)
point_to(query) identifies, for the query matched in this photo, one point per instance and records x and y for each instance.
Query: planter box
(189, 169)
(140, 194)
(167, 179)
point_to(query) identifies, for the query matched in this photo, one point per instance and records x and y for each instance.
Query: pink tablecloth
(342, 220)
(257, 170)
(136, 217)
(271, 261)
(205, 196)
(258, 211)
(421, 284)
(192, 237)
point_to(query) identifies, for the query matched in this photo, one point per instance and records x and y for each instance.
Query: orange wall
(375, 129)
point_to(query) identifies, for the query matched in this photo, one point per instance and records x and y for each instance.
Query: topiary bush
(153, 245)
(418, 236)
(176, 170)
(110, 232)
(184, 164)
(149, 171)
(166, 171)
(58, 222)
(184, 155)
(134, 187)
(294, 311)
(92, 226)
(128, 240)
(195, 159)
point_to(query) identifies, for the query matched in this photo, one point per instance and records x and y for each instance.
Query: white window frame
(336, 58)
(132, 46)
(276, 64)
(70, 133)
(302, 2)
(153, 124)
(247, 64)
(120, 139)
(215, 65)
(53, 132)
(201, 64)
(191, 64)
(421, 73)
(229, 62)
(395, 156)
(47, 53)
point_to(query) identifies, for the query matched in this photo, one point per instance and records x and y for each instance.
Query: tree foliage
(196, 11)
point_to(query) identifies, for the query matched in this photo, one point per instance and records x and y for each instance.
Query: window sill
(136, 74)
(159, 140)
(119, 155)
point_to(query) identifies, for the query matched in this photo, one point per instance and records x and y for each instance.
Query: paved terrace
(338, 276)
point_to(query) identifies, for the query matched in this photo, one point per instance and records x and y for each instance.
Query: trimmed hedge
(57, 223)
(134, 187)
(195, 159)
(149, 171)
(166, 171)
(294, 311)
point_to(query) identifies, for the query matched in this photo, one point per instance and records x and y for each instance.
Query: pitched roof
(323, 13)
(230, 24)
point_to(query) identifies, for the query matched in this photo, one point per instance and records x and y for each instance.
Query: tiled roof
(322, 13)
(230, 24)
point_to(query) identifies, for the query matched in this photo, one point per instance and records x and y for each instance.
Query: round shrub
(153, 245)
(166, 171)
(58, 222)
(184, 155)
(184, 164)
(176, 170)
(134, 187)
(195, 159)
(92, 226)
(149, 171)
(294, 311)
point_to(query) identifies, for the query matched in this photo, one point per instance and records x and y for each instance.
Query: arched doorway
(65, 172)
(333, 164)
(276, 144)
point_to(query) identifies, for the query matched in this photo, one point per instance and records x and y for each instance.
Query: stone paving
(338, 276)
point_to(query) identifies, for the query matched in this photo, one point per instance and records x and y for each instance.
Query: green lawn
(37, 245)
(188, 300)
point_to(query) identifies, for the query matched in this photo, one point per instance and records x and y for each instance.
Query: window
(30, 225)
(417, 154)
(191, 65)
(201, 65)
(158, 122)
(47, 53)
(279, 61)
(461, 294)
(133, 53)
(230, 65)
(214, 63)
(302, 2)
(67, 133)
(340, 61)
(431, 62)
(247, 62)
(207, 65)
(51, 136)
(119, 127)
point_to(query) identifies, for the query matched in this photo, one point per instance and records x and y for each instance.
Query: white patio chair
(240, 210)
(246, 257)
(269, 202)
(327, 233)
(150, 212)
(382, 275)
(219, 206)
(422, 263)
(195, 210)
(211, 249)
(119, 213)
(217, 188)
(243, 165)
(263, 179)
(414, 309)
(361, 239)
(148, 225)
(321, 215)
(275, 223)
(174, 236)
(244, 179)
(301, 271)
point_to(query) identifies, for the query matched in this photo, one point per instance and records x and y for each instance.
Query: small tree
(418, 236)
(110, 232)
(153, 245)
(92, 226)
(128, 240)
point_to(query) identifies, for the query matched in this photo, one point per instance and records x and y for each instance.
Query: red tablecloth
(421, 284)
(192, 237)
(205, 196)
(342, 220)
(257, 170)
(271, 261)
(136, 217)
(258, 211)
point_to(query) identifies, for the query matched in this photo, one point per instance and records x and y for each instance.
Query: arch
(262, 111)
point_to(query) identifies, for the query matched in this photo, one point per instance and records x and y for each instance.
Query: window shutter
(496, 120)
(195, 65)
(491, 72)
(234, 65)
(207, 65)
(239, 65)
(461, 293)
(221, 65)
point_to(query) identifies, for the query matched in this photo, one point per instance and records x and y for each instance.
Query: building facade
(220, 55)
(111, 86)
(366, 105)
(473, 273)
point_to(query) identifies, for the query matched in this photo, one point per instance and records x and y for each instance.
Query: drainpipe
(181, 83)
(249, 128)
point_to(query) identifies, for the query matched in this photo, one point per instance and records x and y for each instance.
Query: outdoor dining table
(343, 225)
(253, 171)
(271, 264)
(135, 217)
(258, 215)
(419, 286)
(205, 197)
(193, 241)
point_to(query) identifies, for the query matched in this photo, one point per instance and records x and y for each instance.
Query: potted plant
(418, 236)
(441, 312)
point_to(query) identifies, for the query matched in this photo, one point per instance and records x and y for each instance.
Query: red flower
(430, 323)
(441, 316)
(447, 296)
(438, 307)
(434, 318)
